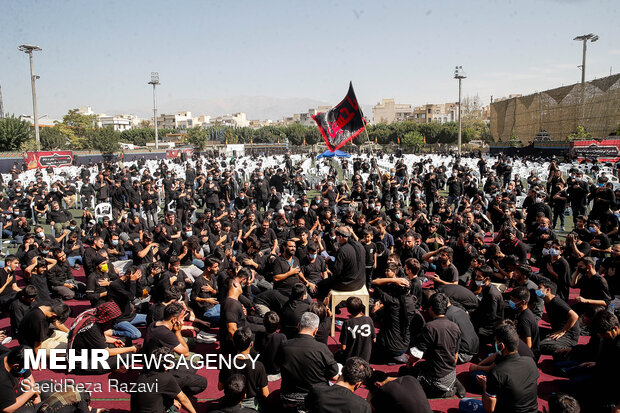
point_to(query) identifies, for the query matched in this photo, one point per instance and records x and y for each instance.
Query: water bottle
(612, 308)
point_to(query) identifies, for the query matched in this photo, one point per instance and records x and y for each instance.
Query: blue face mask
(114, 242)
(540, 293)
(512, 304)
(312, 256)
(189, 233)
(592, 230)
(497, 350)
(479, 283)
(553, 252)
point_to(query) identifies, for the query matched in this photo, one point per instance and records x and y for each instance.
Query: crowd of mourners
(455, 262)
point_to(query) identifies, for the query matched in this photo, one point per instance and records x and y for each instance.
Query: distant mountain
(255, 107)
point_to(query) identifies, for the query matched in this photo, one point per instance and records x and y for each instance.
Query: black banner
(341, 123)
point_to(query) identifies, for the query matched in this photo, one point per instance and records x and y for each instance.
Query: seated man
(61, 280)
(15, 396)
(256, 377)
(341, 396)
(34, 329)
(167, 333)
(19, 307)
(93, 330)
(168, 389)
(396, 394)
(292, 311)
(512, 384)
(235, 388)
(304, 362)
(438, 345)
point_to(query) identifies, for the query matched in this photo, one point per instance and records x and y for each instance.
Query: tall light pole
(592, 38)
(28, 48)
(460, 75)
(155, 81)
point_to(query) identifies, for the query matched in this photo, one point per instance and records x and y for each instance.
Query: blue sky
(101, 53)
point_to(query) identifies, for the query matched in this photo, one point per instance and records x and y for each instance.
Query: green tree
(104, 140)
(81, 125)
(580, 134)
(14, 132)
(54, 138)
(230, 136)
(198, 137)
(413, 139)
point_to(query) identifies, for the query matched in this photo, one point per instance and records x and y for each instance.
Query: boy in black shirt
(371, 255)
(358, 332)
(268, 343)
(254, 372)
(527, 325)
(412, 269)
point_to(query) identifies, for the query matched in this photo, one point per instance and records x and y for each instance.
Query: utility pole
(460, 75)
(592, 38)
(28, 48)
(1, 105)
(155, 81)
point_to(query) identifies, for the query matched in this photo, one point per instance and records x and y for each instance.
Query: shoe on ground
(460, 389)
(205, 334)
(402, 359)
(206, 340)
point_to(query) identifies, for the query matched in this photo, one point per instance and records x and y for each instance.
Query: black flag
(341, 123)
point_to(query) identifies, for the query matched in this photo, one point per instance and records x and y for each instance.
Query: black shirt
(349, 267)
(513, 382)
(231, 312)
(335, 399)
(291, 315)
(281, 266)
(403, 395)
(157, 401)
(159, 336)
(594, 288)
(34, 328)
(490, 311)
(439, 340)
(10, 385)
(557, 311)
(256, 377)
(313, 271)
(469, 339)
(93, 338)
(303, 362)
(267, 346)
(460, 296)
(527, 326)
(448, 274)
(357, 335)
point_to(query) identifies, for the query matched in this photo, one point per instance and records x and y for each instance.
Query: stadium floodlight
(584, 38)
(155, 81)
(460, 75)
(29, 48)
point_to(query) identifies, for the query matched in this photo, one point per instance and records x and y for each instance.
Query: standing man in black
(577, 195)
